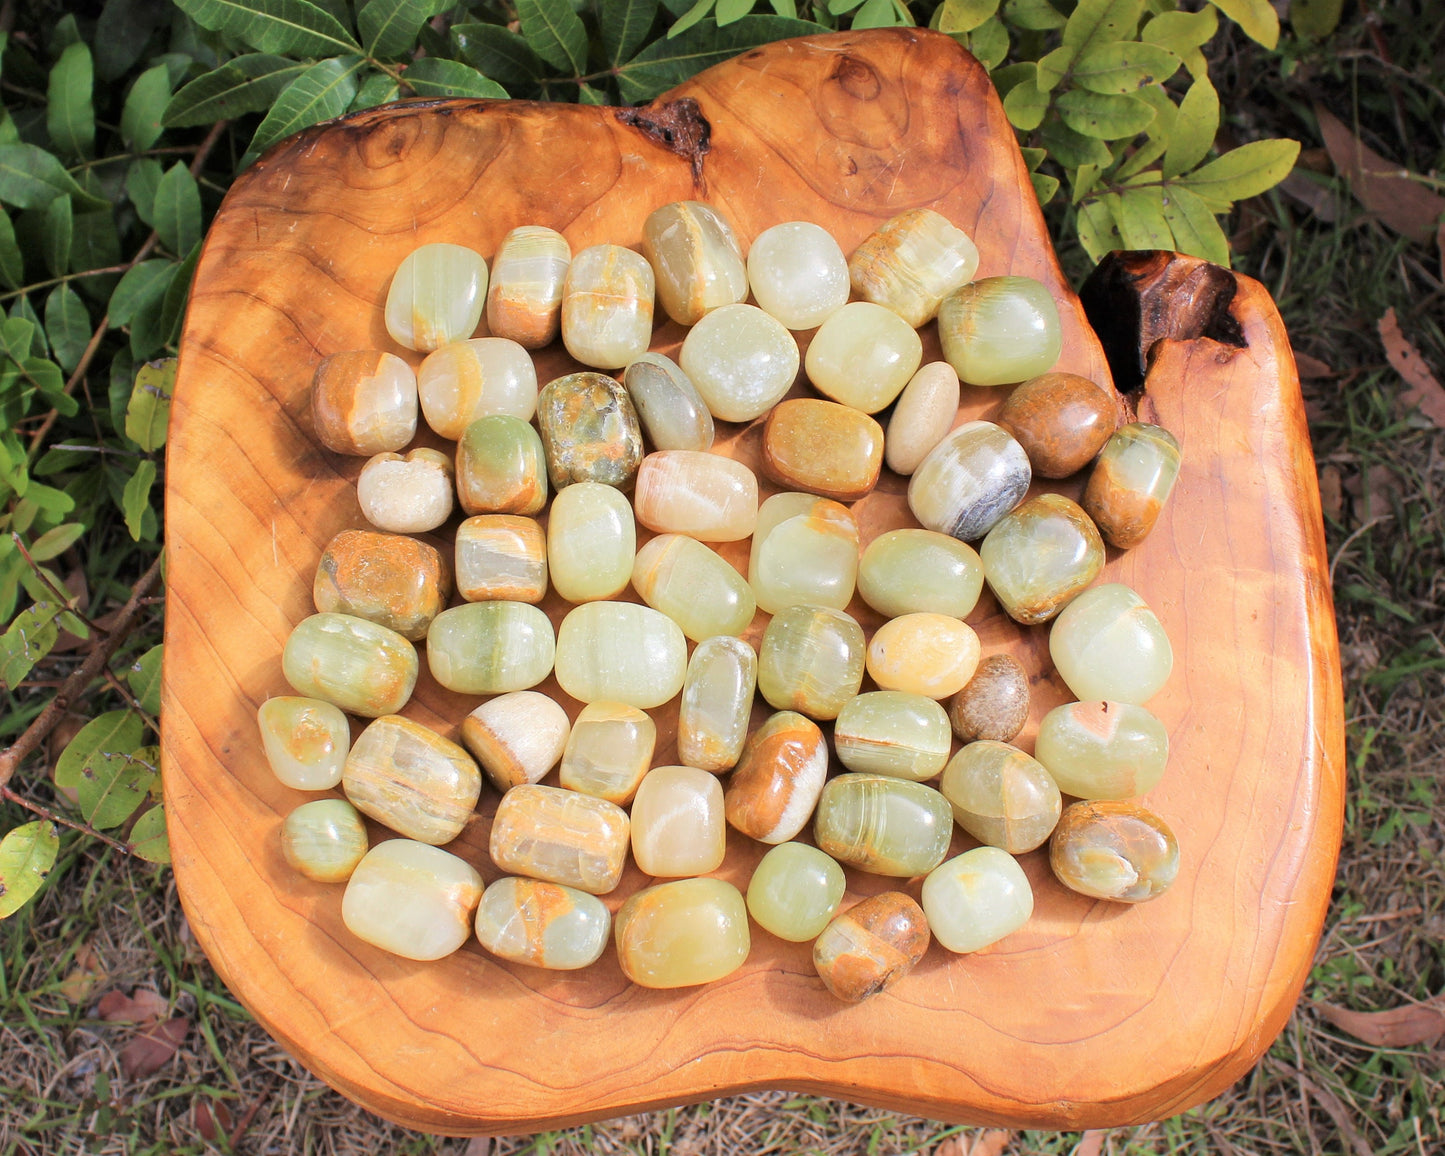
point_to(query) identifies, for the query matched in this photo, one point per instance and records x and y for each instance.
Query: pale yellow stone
(608, 752)
(929, 654)
(924, 414)
(461, 382)
(591, 542)
(705, 496)
(863, 356)
(411, 899)
(407, 495)
(678, 827)
(517, 738)
(436, 296)
(607, 304)
(682, 933)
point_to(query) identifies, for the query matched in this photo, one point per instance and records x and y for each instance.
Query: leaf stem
(46, 813)
(65, 598)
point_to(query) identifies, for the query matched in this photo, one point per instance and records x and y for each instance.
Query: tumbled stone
(305, 740)
(717, 702)
(1040, 557)
(591, 542)
(822, 447)
(490, 647)
(891, 732)
(324, 840)
(1103, 750)
(871, 946)
(542, 924)
(923, 416)
(794, 891)
(798, 274)
(461, 382)
(741, 361)
(882, 824)
(1061, 419)
(608, 752)
(863, 356)
(412, 780)
(775, 786)
(970, 480)
(590, 431)
(501, 467)
(911, 262)
(682, 933)
(977, 898)
(411, 899)
(677, 822)
(920, 571)
(999, 330)
(1107, 644)
(811, 660)
(524, 302)
(517, 737)
(994, 703)
(390, 579)
(692, 585)
(672, 412)
(501, 557)
(607, 301)
(407, 495)
(696, 259)
(705, 496)
(364, 402)
(804, 552)
(1001, 796)
(436, 296)
(928, 654)
(620, 652)
(360, 666)
(1112, 849)
(560, 836)
(1131, 482)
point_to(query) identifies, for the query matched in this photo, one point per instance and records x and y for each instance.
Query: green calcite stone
(672, 412)
(305, 740)
(695, 256)
(811, 660)
(436, 296)
(1132, 479)
(349, 662)
(977, 898)
(590, 431)
(685, 932)
(740, 360)
(920, 572)
(324, 840)
(891, 732)
(1001, 796)
(1000, 330)
(1107, 644)
(1040, 556)
(542, 924)
(490, 647)
(408, 777)
(412, 899)
(591, 542)
(863, 356)
(1114, 849)
(1103, 750)
(608, 751)
(969, 480)
(795, 890)
(693, 586)
(501, 468)
(717, 702)
(620, 652)
(884, 825)
(804, 552)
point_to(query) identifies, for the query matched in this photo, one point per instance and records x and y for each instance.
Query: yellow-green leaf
(112, 785)
(1099, 227)
(1045, 186)
(1315, 19)
(148, 837)
(1033, 15)
(965, 15)
(149, 411)
(115, 731)
(1141, 219)
(28, 640)
(1245, 171)
(27, 855)
(55, 542)
(1181, 31)
(1104, 116)
(135, 500)
(1196, 230)
(989, 42)
(1194, 128)
(144, 678)
(1025, 105)
(1124, 66)
(1256, 18)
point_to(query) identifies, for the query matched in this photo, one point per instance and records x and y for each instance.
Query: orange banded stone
(776, 784)
(390, 579)
(823, 447)
(871, 946)
(1061, 419)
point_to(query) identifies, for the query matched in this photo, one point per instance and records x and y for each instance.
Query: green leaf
(95, 244)
(1082, 180)
(1245, 171)
(17, 335)
(246, 84)
(1141, 219)
(177, 209)
(498, 52)
(118, 731)
(118, 387)
(1124, 66)
(173, 304)
(1098, 231)
(1196, 230)
(149, 411)
(136, 499)
(145, 106)
(555, 33)
(69, 113)
(148, 330)
(12, 264)
(148, 837)
(28, 640)
(121, 34)
(378, 88)
(141, 181)
(141, 284)
(586, 94)
(433, 76)
(297, 27)
(1033, 15)
(965, 15)
(1105, 117)
(784, 8)
(1194, 129)
(989, 42)
(1045, 186)
(1071, 149)
(698, 12)
(45, 375)
(27, 855)
(1033, 158)
(56, 542)
(1025, 105)
(67, 325)
(1093, 23)
(144, 679)
(388, 27)
(1256, 18)
(624, 25)
(875, 14)
(665, 63)
(1315, 19)
(321, 92)
(58, 232)
(30, 178)
(112, 785)
(1180, 32)
(731, 11)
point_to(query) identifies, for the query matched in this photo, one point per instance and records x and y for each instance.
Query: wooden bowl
(1095, 1013)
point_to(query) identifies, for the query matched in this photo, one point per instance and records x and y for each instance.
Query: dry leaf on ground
(1332, 492)
(1401, 1027)
(212, 1120)
(1311, 368)
(992, 1143)
(1425, 391)
(150, 1051)
(85, 976)
(1092, 1143)
(144, 1005)
(1403, 204)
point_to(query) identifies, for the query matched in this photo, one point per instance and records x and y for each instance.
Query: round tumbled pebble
(682, 933)
(1103, 750)
(1131, 482)
(863, 356)
(524, 301)
(798, 274)
(411, 899)
(775, 785)
(407, 495)
(1107, 644)
(516, 738)
(976, 899)
(804, 552)
(891, 732)
(911, 262)
(1112, 849)
(923, 415)
(324, 840)
(705, 496)
(1041, 556)
(794, 891)
(364, 402)
(398, 582)
(929, 654)
(607, 301)
(622, 652)
(490, 647)
(696, 258)
(542, 924)
(823, 448)
(994, 703)
(811, 660)
(501, 467)
(871, 946)
(1061, 419)
(673, 414)
(677, 822)
(970, 480)
(1001, 796)
(920, 571)
(741, 361)
(590, 431)
(436, 296)
(1000, 330)
(461, 382)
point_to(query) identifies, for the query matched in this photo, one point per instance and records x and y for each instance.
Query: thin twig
(131, 701)
(85, 674)
(46, 813)
(67, 599)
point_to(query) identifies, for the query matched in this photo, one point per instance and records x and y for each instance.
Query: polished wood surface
(1094, 1013)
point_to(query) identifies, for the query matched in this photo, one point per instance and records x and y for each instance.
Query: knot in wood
(857, 78)
(678, 126)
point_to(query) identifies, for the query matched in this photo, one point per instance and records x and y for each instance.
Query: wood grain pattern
(1094, 1014)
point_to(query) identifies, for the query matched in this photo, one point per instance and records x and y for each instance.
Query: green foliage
(26, 856)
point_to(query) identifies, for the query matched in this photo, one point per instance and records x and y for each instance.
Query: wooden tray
(1095, 1013)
